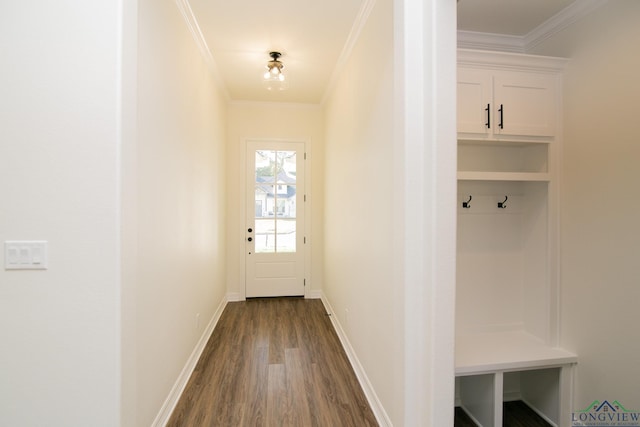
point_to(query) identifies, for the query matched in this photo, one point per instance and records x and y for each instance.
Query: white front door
(274, 232)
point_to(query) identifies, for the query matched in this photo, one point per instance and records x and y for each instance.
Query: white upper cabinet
(498, 99)
(524, 104)
(475, 96)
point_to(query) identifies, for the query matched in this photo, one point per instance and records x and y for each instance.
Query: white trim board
(561, 20)
(308, 218)
(194, 28)
(490, 41)
(523, 44)
(235, 297)
(354, 35)
(274, 104)
(178, 388)
(313, 294)
(170, 403)
(376, 406)
(470, 415)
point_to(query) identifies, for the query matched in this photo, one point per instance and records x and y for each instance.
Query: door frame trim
(307, 213)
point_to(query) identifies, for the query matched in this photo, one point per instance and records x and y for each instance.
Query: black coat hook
(503, 204)
(467, 204)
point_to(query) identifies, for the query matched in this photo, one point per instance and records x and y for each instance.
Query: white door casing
(275, 219)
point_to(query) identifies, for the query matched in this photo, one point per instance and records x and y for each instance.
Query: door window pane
(265, 163)
(286, 206)
(265, 202)
(265, 236)
(275, 198)
(287, 163)
(285, 236)
(259, 208)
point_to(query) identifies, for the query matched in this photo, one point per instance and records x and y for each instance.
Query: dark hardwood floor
(518, 414)
(515, 414)
(462, 419)
(273, 362)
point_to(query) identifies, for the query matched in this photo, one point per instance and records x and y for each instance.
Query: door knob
(250, 239)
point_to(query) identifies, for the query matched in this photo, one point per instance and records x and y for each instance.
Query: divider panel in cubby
(481, 397)
(541, 391)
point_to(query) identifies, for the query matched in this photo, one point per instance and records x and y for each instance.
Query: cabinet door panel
(528, 104)
(474, 94)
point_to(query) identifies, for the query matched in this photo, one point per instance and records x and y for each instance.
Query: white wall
(59, 145)
(599, 224)
(359, 202)
(297, 122)
(390, 207)
(180, 219)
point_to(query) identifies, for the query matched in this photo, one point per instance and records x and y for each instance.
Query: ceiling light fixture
(274, 78)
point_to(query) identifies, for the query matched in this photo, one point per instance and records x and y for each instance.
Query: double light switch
(25, 255)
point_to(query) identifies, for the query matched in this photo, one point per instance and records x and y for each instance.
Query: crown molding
(500, 60)
(194, 28)
(490, 41)
(523, 44)
(273, 104)
(563, 19)
(354, 35)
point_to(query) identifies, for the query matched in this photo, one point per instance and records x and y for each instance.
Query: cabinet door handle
(488, 110)
(501, 117)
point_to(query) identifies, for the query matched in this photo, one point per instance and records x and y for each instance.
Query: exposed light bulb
(273, 78)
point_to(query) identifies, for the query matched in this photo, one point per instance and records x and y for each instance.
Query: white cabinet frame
(509, 139)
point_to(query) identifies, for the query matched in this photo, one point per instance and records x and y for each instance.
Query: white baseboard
(313, 294)
(377, 408)
(544, 416)
(475, 421)
(178, 388)
(234, 297)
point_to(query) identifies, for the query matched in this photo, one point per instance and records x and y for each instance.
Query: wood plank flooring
(518, 414)
(273, 362)
(515, 414)
(462, 419)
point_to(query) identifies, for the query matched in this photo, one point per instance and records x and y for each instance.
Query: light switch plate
(25, 255)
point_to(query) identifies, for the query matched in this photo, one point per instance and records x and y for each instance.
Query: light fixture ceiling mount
(274, 78)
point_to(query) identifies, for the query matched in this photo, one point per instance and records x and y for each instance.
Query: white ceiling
(509, 17)
(312, 36)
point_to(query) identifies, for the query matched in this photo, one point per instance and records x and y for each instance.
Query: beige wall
(59, 181)
(390, 221)
(359, 203)
(599, 221)
(180, 218)
(297, 122)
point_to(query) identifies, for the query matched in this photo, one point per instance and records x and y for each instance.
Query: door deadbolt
(250, 239)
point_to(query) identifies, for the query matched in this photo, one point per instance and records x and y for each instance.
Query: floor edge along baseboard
(376, 406)
(179, 386)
